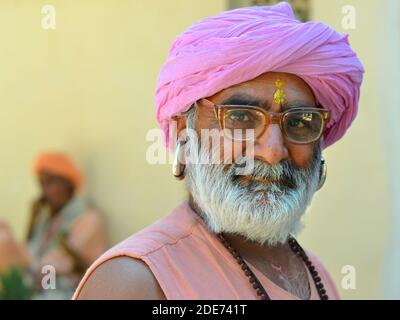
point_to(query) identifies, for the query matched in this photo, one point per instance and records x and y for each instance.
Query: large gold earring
(178, 168)
(322, 173)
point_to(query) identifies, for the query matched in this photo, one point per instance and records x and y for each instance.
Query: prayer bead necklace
(297, 250)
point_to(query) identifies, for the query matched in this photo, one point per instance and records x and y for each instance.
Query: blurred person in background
(63, 232)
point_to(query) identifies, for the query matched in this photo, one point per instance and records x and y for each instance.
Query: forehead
(263, 87)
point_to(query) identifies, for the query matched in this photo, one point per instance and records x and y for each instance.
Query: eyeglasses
(300, 125)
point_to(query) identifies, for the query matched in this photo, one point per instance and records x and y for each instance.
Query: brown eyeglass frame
(272, 118)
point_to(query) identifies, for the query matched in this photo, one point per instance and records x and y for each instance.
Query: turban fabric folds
(239, 45)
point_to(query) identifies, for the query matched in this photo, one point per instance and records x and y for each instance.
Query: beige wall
(87, 88)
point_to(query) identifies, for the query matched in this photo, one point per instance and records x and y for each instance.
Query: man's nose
(270, 147)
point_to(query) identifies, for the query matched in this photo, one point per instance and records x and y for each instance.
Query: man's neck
(249, 248)
(278, 263)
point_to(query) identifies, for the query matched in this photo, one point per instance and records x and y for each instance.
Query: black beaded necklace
(296, 248)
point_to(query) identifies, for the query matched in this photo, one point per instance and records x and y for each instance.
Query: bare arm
(122, 278)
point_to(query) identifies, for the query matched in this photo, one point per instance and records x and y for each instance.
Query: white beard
(263, 213)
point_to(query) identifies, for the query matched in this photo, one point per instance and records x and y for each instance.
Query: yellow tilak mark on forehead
(279, 94)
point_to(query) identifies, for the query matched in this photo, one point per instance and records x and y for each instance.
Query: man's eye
(296, 123)
(239, 116)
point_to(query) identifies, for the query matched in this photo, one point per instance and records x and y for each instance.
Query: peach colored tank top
(190, 262)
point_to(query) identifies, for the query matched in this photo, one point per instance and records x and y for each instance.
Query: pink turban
(239, 45)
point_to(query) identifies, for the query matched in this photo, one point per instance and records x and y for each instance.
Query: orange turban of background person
(59, 164)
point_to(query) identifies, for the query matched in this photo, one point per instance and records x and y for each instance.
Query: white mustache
(284, 174)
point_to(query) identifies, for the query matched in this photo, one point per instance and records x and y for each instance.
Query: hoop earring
(322, 173)
(178, 168)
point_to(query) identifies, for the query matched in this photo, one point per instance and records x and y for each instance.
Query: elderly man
(278, 91)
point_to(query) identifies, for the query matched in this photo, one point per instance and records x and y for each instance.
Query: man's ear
(177, 129)
(180, 122)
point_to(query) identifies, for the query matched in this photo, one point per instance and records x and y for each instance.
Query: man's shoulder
(167, 230)
(121, 278)
(124, 269)
(325, 275)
